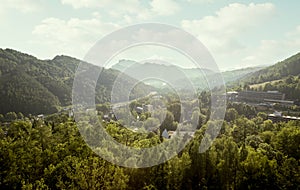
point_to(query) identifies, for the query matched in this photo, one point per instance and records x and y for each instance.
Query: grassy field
(253, 86)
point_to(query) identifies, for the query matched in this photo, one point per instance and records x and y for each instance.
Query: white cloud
(271, 51)
(74, 36)
(200, 1)
(222, 31)
(164, 7)
(226, 33)
(83, 3)
(129, 10)
(24, 6)
(294, 34)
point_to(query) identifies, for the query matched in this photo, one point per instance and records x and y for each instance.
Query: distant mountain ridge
(178, 76)
(30, 85)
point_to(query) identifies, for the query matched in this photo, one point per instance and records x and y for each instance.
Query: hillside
(30, 85)
(290, 86)
(283, 76)
(18, 89)
(290, 66)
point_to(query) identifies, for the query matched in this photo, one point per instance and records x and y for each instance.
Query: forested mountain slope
(290, 66)
(283, 76)
(30, 85)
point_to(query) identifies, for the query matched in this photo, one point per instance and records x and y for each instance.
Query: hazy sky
(237, 33)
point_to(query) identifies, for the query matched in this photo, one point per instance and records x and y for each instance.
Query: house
(139, 110)
(40, 116)
(106, 117)
(232, 95)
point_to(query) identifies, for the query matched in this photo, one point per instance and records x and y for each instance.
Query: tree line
(249, 153)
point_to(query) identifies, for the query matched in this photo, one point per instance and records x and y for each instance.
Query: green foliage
(51, 154)
(290, 66)
(283, 76)
(39, 156)
(242, 109)
(288, 141)
(175, 109)
(22, 93)
(231, 114)
(290, 86)
(34, 86)
(168, 122)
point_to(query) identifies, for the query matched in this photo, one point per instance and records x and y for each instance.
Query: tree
(1, 118)
(267, 125)
(175, 109)
(151, 124)
(104, 108)
(231, 114)
(168, 122)
(263, 115)
(20, 115)
(228, 163)
(198, 119)
(288, 141)
(289, 174)
(257, 172)
(10, 116)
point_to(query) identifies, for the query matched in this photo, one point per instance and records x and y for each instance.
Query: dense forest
(251, 152)
(34, 86)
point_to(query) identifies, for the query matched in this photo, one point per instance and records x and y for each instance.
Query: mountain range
(32, 86)
(180, 78)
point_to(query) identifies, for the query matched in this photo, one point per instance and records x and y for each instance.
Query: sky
(237, 33)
